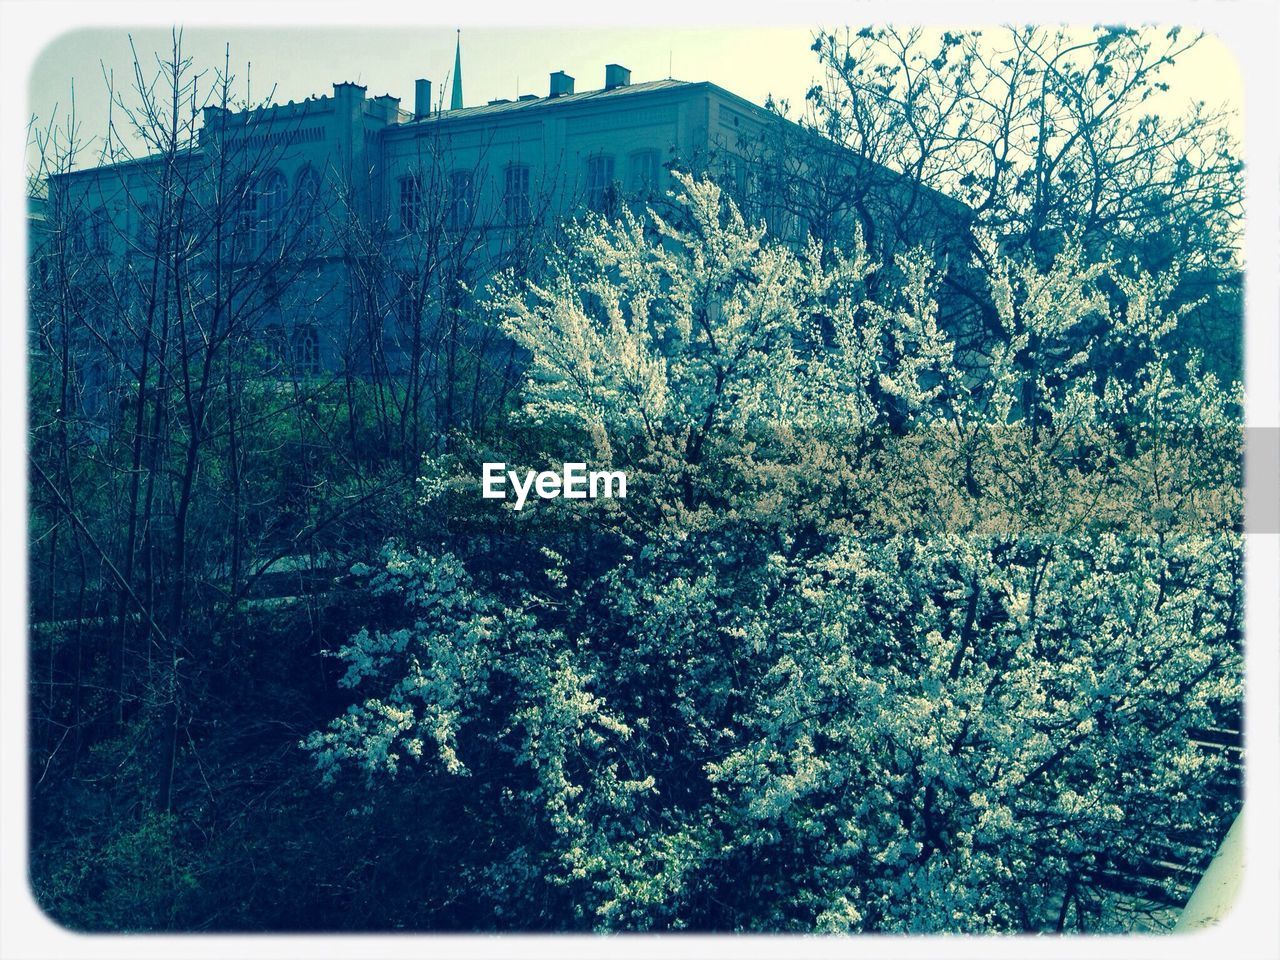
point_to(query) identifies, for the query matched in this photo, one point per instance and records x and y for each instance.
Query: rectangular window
(743, 182)
(406, 306)
(398, 329)
(147, 224)
(99, 226)
(460, 200)
(411, 213)
(644, 172)
(777, 205)
(779, 221)
(600, 189)
(515, 199)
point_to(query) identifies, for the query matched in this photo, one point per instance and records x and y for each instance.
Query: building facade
(343, 231)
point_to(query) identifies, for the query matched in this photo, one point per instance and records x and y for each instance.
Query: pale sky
(753, 62)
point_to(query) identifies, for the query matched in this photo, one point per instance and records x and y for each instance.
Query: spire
(456, 102)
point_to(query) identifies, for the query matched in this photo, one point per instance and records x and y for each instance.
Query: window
(93, 390)
(398, 331)
(411, 212)
(515, 199)
(99, 227)
(776, 204)
(779, 221)
(600, 192)
(128, 287)
(306, 349)
(745, 186)
(644, 172)
(460, 199)
(146, 231)
(392, 349)
(406, 306)
(75, 235)
(244, 204)
(273, 342)
(272, 192)
(307, 210)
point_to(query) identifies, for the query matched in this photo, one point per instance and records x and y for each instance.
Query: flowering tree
(1040, 130)
(874, 643)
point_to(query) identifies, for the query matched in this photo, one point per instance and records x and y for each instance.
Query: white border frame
(1250, 28)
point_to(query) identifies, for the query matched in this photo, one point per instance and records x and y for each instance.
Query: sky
(291, 64)
(754, 62)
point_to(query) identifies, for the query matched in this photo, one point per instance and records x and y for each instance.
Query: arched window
(306, 349)
(244, 208)
(306, 206)
(273, 343)
(272, 193)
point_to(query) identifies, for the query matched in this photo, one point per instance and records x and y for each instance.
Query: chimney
(616, 75)
(387, 107)
(421, 99)
(215, 119)
(561, 84)
(348, 89)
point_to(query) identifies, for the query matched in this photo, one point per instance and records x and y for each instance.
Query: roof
(539, 103)
(187, 153)
(519, 107)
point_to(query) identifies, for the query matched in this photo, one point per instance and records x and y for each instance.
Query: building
(362, 217)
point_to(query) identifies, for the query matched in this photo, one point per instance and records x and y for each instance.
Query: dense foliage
(870, 646)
